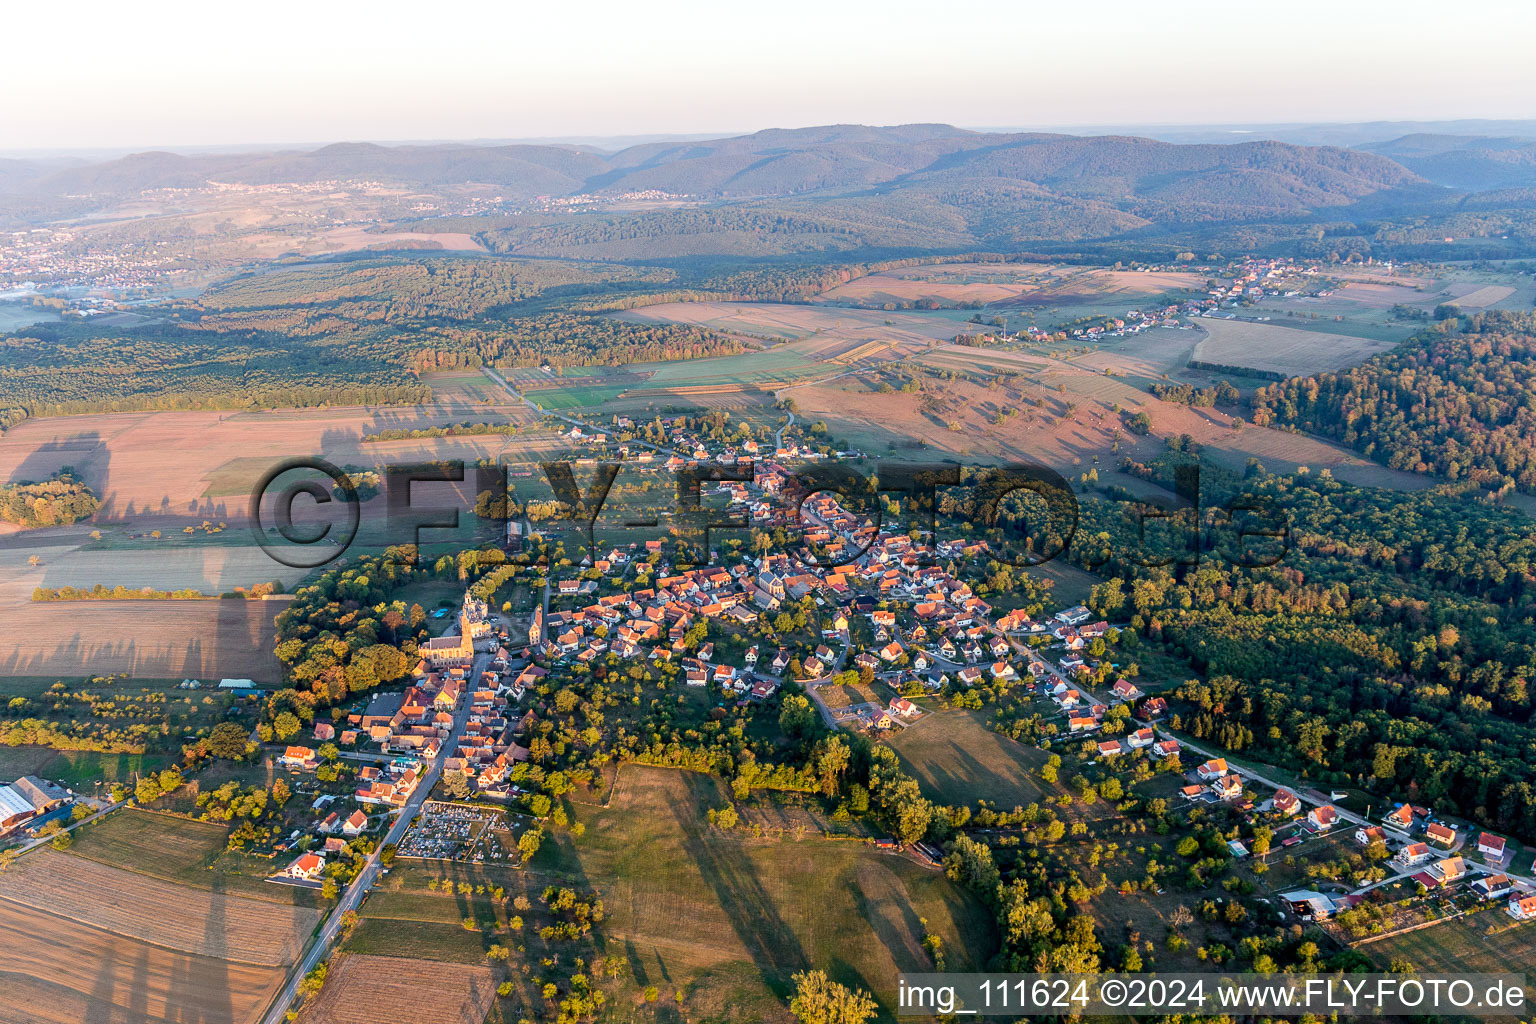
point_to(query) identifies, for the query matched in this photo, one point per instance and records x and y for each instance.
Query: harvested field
(1005, 284)
(1276, 349)
(147, 639)
(958, 760)
(1148, 356)
(162, 464)
(1484, 297)
(437, 993)
(56, 971)
(197, 921)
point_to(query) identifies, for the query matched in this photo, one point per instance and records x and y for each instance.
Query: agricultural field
(1365, 297)
(1273, 348)
(201, 922)
(1488, 942)
(958, 760)
(155, 639)
(59, 971)
(357, 988)
(186, 852)
(997, 286)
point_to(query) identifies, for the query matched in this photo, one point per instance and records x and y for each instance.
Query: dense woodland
(1456, 401)
(1394, 645)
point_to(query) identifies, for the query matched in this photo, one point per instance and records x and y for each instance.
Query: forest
(356, 332)
(1392, 647)
(1455, 401)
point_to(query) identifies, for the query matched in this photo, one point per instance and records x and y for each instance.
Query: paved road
(353, 897)
(778, 435)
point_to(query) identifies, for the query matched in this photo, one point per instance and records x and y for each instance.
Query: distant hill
(1464, 161)
(917, 187)
(838, 159)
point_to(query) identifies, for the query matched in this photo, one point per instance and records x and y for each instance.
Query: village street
(352, 898)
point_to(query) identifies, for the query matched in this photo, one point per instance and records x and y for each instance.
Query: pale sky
(94, 74)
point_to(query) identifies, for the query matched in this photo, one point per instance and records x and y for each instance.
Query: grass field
(77, 769)
(958, 760)
(58, 971)
(724, 917)
(689, 900)
(361, 988)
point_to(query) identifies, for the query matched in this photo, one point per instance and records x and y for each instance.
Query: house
(1365, 836)
(1322, 817)
(1212, 770)
(1522, 908)
(1110, 748)
(306, 868)
(1440, 835)
(1286, 802)
(27, 798)
(1124, 690)
(298, 758)
(1400, 818)
(1228, 787)
(1167, 748)
(1449, 870)
(1413, 855)
(1082, 724)
(324, 731)
(1490, 846)
(1155, 707)
(904, 708)
(1492, 887)
(1140, 738)
(356, 825)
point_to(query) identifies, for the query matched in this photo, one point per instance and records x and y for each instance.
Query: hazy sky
(171, 73)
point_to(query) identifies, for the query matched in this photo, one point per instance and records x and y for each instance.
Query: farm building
(27, 798)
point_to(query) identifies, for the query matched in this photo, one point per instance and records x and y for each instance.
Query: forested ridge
(1457, 400)
(354, 332)
(1394, 645)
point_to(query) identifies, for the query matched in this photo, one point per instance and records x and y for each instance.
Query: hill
(894, 190)
(1464, 161)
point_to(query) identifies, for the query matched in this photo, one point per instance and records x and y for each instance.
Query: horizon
(1236, 132)
(116, 81)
